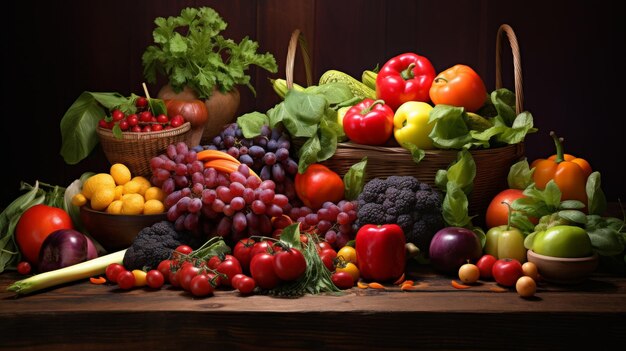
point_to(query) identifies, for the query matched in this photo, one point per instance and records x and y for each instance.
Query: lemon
(144, 184)
(97, 182)
(79, 199)
(154, 193)
(102, 198)
(120, 173)
(119, 191)
(132, 204)
(131, 187)
(115, 207)
(153, 206)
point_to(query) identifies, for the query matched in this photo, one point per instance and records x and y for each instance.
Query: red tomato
(230, 267)
(289, 264)
(35, 224)
(485, 266)
(262, 271)
(328, 256)
(23, 268)
(506, 271)
(126, 280)
(497, 212)
(186, 274)
(342, 280)
(201, 285)
(113, 270)
(165, 267)
(155, 279)
(317, 185)
(460, 86)
(260, 247)
(242, 251)
(244, 284)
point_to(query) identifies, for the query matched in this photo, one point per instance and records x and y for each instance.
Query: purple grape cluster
(268, 154)
(204, 200)
(333, 222)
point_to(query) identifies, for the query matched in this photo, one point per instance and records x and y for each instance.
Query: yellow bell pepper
(410, 124)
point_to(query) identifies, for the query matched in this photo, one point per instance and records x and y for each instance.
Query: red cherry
(145, 116)
(177, 121)
(136, 129)
(141, 102)
(146, 128)
(123, 124)
(132, 120)
(157, 127)
(102, 123)
(117, 115)
(162, 118)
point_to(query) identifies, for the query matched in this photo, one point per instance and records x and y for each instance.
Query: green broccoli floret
(155, 243)
(415, 206)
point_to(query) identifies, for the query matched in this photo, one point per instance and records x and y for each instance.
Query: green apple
(565, 241)
(505, 242)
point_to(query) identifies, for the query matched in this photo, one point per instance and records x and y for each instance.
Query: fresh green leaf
(417, 154)
(251, 123)
(78, 128)
(277, 114)
(455, 205)
(328, 141)
(520, 175)
(303, 113)
(503, 101)
(450, 130)
(596, 198)
(190, 51)
(157, 106)
(574, 216)
(606, 241)
(291, 236)
(307, 153)
(463, 171)
(354, 179)
(521, 222)
(571, 205)
(334, 92)
(522, 125)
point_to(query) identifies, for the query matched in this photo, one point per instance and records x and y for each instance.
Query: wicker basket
(492, 165)
(136, 149)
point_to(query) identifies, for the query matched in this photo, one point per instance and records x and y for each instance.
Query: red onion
(62, 248)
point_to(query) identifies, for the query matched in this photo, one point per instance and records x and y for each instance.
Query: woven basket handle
(517, 65)
(298, 38)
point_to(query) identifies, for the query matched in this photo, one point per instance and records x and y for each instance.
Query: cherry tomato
(469, 273)
(506, 271)
(244, 284)
(181, 251)
(172, 277)
(317, 185)
(263, 246)
(342, 280)
(323, 245)
(530, 270)
(242, 251)
(165, 267)
(112, 271)
(485, 266)
(155, 279)
(526, 286)
(328, 256)
(497, 212)
(289, 264)
(23, 268)
(262, 271)
(185, 275)
(35, 224)
(348, 253)
(230, 267)
(126, 280)
(349, 268)
(200, 286)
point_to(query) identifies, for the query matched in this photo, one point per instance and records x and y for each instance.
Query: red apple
(485, 266)
(452, 247)
(506, 271)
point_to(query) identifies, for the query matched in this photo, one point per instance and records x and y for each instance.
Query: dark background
(573, 73)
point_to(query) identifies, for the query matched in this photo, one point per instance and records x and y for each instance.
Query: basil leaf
(606, 241)
(574, 216)
(596, 198)
(520, 175)
(354, 179)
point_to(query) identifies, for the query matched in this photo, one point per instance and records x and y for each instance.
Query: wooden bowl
(563, 270)
(114, 231)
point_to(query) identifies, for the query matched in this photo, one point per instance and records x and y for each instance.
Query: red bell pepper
(369, 122)
(380, 252)
(406, 77)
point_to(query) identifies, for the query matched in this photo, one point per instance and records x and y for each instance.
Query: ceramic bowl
(114, 231)
(563, 270)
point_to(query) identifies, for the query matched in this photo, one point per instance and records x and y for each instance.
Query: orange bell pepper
(569, 173)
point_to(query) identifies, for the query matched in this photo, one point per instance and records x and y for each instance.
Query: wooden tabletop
(84, 316)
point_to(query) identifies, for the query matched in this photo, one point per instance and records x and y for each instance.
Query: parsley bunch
(189, 50)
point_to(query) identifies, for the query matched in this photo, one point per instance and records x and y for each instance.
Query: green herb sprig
(190, 51)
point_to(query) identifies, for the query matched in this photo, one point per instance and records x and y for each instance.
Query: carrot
(208, 155)
(362, 285)
(406, 287)
(97, 281)
(225, 166)
(497, 289)
(458, 285)
(375, 285)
